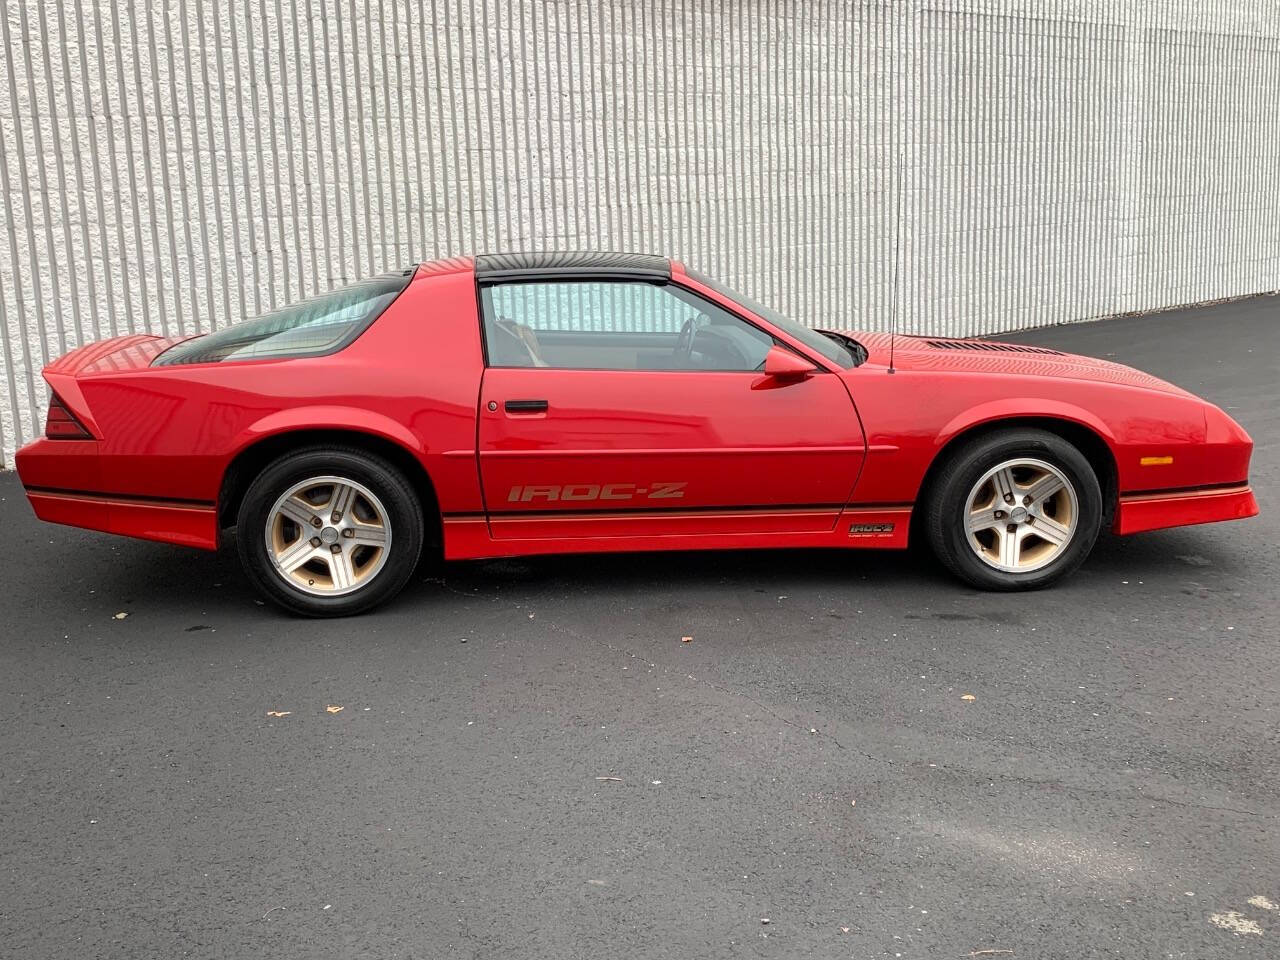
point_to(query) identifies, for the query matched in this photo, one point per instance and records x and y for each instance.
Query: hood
(944, 354)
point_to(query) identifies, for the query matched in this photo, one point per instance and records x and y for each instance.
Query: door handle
(525, 406)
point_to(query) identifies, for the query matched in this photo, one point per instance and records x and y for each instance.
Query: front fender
(1010, 408)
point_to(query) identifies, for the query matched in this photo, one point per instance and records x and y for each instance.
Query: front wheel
(328, 532)
(1014, 510)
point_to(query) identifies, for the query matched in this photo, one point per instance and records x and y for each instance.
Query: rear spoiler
(113, 355)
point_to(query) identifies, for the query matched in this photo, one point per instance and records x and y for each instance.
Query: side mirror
(784, 365)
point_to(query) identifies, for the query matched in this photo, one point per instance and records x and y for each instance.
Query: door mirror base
(784, 365)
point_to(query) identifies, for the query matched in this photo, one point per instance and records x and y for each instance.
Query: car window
(835, 347)
(306, 328)
(615, 325)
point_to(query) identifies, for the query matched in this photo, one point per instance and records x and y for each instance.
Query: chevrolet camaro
(578, 402)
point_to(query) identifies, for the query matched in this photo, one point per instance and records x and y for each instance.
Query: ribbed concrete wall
(174, 166)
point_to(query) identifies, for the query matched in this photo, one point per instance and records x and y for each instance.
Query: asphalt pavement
(855, 756)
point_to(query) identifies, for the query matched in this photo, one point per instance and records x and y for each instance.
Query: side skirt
(884, 527)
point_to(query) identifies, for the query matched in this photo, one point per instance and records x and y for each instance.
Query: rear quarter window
(311, 327)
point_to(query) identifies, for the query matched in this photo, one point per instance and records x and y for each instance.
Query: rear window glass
(318, 325)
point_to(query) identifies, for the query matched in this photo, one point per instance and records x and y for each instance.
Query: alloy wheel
(1021, 515)
(328, 536)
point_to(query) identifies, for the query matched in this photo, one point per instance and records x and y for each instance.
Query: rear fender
(331, 417)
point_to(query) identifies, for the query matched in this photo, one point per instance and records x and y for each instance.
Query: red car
(578, 402)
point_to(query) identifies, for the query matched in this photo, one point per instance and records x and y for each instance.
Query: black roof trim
(571, 264)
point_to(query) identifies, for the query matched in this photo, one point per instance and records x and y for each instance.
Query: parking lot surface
(529, 762)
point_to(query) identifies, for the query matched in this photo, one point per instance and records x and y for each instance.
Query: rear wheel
(1014, 510)
(328, 532)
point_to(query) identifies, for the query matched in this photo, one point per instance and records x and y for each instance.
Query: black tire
(396, 496)
(947, 501)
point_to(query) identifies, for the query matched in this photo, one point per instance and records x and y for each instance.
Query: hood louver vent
(991, 347)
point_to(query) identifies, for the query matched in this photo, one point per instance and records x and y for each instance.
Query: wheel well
(1085, 440)
(250, 461)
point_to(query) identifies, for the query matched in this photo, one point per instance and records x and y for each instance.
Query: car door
(614, 408)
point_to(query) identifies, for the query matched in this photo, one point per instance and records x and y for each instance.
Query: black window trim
(339, 345)
(619, 276)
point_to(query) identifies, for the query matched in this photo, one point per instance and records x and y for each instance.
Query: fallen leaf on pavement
(278, 713)
(332, 709)
(1235, 922)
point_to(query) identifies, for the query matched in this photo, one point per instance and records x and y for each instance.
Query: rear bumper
(61, 481)
(1180, 508)
(189, 525)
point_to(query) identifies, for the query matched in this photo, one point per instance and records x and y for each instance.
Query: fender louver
(991, 347)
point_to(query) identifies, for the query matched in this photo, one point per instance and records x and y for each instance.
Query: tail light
(61, 424)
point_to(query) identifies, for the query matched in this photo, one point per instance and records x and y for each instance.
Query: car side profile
(579, 402)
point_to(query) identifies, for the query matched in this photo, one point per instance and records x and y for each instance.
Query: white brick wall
(172, 167)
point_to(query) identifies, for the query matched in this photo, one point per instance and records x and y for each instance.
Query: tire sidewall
(949, 507)
(398, 499)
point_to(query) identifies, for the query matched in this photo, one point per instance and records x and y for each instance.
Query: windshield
(833, 349)
(314, 326)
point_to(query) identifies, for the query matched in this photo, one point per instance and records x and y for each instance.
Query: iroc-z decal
(870, 529)
(583, 492)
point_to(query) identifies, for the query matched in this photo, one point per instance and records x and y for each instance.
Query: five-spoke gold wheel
(328, 536)
(1021, 515)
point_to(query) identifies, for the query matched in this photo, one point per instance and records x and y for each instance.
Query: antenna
(897, 235)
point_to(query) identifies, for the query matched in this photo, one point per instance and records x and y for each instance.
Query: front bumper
(1180, 508)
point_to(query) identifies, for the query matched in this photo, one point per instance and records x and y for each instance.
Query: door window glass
(834, 346)
(615, 325)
